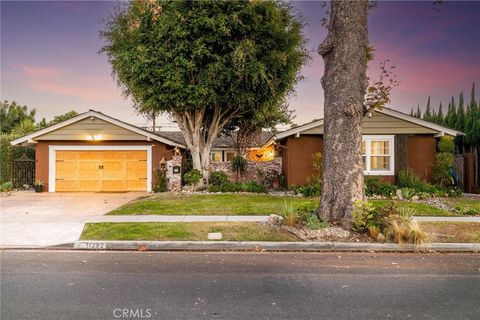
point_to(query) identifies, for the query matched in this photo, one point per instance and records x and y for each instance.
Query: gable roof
(92, 113)
(386, 111)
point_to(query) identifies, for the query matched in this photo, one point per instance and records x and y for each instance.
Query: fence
(23, 172)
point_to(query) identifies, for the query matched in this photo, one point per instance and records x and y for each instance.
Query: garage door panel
(101, 170)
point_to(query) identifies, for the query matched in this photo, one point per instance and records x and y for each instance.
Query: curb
(271, 246)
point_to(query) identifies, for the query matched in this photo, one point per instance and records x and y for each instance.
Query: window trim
(368, 139)
(225, 152)
(217, 151)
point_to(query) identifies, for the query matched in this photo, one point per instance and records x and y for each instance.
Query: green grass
(420, 209)
(464, 205)
(232, 231)
(218, 204)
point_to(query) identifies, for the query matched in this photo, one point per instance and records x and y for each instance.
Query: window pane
(380, 163)
(216, 156)
(380, 147)
(230, 155)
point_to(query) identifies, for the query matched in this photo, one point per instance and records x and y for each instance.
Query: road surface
(156, 285)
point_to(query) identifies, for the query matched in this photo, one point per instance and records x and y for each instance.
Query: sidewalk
(187, 218)
(180, 218)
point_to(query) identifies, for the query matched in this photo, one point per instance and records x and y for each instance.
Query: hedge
(9, 153)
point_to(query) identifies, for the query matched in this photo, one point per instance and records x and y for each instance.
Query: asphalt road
(146, 285)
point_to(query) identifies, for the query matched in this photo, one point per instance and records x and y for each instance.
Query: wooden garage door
(101, 171)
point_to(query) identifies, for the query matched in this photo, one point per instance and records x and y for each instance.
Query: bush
(308, 190)
(192, 177)
(218, 178)
(289, 214)
(161, 185)
(252, 186)
(363, 216)
(314, 223)
(375, 186)
(9, 153)
(442, 169)
(239, 164)
(6, 186)
(446, 144)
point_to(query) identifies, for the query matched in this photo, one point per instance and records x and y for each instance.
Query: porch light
(94, 137)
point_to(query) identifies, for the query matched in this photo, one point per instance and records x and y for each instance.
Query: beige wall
(83, 129)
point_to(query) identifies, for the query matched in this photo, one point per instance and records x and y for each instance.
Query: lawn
(452, 231)
(468, 206)
(232, 231)
(216, 204)
(419, 209)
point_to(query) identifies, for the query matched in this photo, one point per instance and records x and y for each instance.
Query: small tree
(444, 162)
(192, 178)
(239, 165)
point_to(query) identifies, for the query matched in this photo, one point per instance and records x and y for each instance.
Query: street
(183, 285)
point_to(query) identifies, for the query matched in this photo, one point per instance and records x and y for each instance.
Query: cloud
(36, 72)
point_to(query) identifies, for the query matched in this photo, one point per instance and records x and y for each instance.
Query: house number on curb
(94, 245)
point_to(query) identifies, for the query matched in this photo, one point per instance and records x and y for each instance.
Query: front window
(216, 156)
(377, 155)
(229, 155)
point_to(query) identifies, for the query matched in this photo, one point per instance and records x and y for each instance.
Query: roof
(92, 113)
(223, 141)
(387, 111)
(173, 138)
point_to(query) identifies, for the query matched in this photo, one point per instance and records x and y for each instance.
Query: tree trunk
(344, 82)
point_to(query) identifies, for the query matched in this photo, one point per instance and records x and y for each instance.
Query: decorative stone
(399, 194)
(215, 236)
(251, 172)
(275, 220)
(380, 237)
(415, 198)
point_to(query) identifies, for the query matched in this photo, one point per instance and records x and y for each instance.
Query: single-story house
(392, 141)
(95, 152)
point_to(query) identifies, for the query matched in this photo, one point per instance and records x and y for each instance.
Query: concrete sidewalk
(176, 218)
(214, 218)
(446, 219)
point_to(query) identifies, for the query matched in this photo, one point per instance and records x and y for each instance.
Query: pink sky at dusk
(49, 56)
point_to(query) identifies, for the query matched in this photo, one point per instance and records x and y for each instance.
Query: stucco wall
(159, 150)
(297, 157)
(421, 151)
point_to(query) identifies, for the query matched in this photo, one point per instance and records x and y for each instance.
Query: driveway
(46, 219)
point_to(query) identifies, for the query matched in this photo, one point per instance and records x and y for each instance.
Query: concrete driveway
(45, 219)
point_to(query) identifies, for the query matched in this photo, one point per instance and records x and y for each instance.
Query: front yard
(452, 231)
(232, 231)
(262, 204)
(212, 204)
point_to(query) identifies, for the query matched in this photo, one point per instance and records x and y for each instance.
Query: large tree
(345, 54)
(206, 63)
(13, 115)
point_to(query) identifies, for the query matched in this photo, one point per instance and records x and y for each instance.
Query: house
(391, 141)
(95, 152)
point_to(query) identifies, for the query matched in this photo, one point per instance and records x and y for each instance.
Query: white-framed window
(378, 155)
(229, 155)
(216, 156)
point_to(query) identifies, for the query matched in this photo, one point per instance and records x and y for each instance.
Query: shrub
(239, 164)
(6, 186)
(407, 193)
(314, 223)
(192, 177)
(308, 190)
(397, 225)
(442, 169)
(161, 185)
(375, 186)
(9, 153)
(252, 186)
(446, 144)
(289, 214)
(218, 178)
(363, 216)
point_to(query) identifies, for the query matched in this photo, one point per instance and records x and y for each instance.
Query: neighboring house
(392, 141)
(95, 152)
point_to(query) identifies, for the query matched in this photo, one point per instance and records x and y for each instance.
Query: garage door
(101, 171)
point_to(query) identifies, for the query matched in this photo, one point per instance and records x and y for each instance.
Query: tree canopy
(13, 115)
(206, 63)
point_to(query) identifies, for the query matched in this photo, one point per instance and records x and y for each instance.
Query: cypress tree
(419, 112)
(428, 112)
(460, 117)
(440, 119)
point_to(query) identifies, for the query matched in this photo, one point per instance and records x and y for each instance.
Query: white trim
(98, 115)
(52, 160)
(368, 139)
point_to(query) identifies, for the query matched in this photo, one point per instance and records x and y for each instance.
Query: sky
(50, 61)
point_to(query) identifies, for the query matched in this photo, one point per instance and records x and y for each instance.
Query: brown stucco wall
(159, 150)
(421, 151)
(297, 157)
